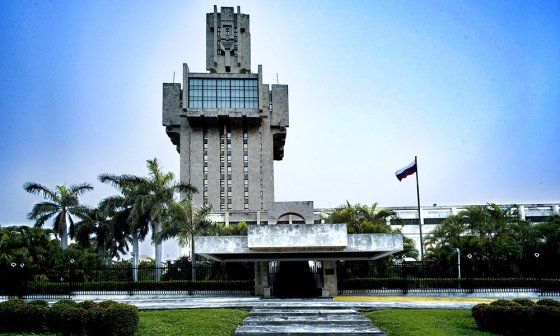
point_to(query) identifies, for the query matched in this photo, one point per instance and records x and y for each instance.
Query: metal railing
(212, 280)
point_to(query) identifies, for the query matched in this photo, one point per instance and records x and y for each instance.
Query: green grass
(184, 322)
(187, 322)
(420, 322)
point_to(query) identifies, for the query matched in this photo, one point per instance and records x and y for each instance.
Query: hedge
(67, 317)
(468, 283)
(518, 316)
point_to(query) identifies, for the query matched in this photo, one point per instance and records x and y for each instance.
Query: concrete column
(258, 218)
(290, 219)
(330, 284)
(226, 218)
(555, 209)
(260, 274)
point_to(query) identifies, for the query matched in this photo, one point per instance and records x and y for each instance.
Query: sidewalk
(359, 302)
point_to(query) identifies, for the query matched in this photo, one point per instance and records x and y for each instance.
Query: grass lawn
(195, 322)
(185, 322)
(420, 322)
(222, 322)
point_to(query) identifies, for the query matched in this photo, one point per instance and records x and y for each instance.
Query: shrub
(121, 320)
(12, 315)
(549, 303)
(524, 302)
(65, 318)
(517, 317)
(112, 319)
(41, 303)
(88, 304)
(18, 316)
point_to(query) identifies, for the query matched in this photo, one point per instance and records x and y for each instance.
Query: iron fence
(418, 278)
(213, 279)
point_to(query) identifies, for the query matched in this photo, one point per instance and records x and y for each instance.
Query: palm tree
(110, 234)
(60, 203)
(185, 222)
(148, 198)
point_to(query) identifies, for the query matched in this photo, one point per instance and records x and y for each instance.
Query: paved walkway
(307, 318)
(248, 302)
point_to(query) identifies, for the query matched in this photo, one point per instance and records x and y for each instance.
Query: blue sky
(471, 87)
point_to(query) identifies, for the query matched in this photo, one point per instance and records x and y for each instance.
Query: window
(205, 169)
(245, 147)
(246, 183)
(223, 93)
(205, 147)
(245, 170)
(205, 157)
(246, 206)
(229, 158)
(205, 183)
(245, 136)
(246, 194)
(229, 183)
(229, 146)
(227, 31)
(229, 170)
(245, 158)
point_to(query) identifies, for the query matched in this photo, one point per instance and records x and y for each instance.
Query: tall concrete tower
(227, 125)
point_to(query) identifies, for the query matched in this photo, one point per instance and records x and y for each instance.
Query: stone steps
(300, 319)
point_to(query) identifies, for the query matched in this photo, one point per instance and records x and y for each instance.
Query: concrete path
(306, 318)
(361, 303)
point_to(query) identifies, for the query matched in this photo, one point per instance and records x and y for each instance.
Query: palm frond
(39, 189)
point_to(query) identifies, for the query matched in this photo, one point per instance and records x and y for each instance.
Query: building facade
(228, 126)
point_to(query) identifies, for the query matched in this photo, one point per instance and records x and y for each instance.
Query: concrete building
(229, 127)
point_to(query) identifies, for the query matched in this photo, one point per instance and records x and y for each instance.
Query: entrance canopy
(298, 242)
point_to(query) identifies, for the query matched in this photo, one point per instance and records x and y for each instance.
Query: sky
(470, 87)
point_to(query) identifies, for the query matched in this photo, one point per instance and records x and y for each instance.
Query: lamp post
(458, 262)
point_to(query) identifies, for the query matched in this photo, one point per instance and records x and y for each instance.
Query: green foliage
(361, 218)
(18, 316)
(517, 317)
(549, 303)
(111, 318)
(496, 239)
(239, 229)
(420, 322)
(59, 204)
(65, 318)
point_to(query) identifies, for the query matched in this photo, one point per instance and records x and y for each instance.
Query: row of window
(223, 93)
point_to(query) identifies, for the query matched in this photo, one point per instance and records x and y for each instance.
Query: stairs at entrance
(306, 318)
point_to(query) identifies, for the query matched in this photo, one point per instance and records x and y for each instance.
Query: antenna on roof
(173, 77)
(277, 78)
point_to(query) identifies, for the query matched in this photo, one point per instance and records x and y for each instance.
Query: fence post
(404, 279)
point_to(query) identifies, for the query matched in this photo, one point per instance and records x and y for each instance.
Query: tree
(185, 221)
(61, 203)
(362, 218)
(108, 232)
(146, 199)
(495, 237)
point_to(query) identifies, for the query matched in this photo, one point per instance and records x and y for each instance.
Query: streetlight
(458, 261)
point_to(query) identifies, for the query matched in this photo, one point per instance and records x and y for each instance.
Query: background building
(227, 125)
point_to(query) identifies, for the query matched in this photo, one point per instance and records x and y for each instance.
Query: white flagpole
(419, 215)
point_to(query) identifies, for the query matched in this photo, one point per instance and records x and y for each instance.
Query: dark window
(223, 93)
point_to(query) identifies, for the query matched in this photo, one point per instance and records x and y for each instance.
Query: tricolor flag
(408, 170)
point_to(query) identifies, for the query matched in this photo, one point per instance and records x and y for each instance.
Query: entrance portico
(297, 242)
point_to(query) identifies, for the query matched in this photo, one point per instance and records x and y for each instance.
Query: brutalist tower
(228, 125)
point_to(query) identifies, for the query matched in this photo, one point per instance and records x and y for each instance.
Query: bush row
(69, 318)
(518, 316)
(377, 283)
(178, 285)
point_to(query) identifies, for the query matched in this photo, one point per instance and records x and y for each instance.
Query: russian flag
(406, 171)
